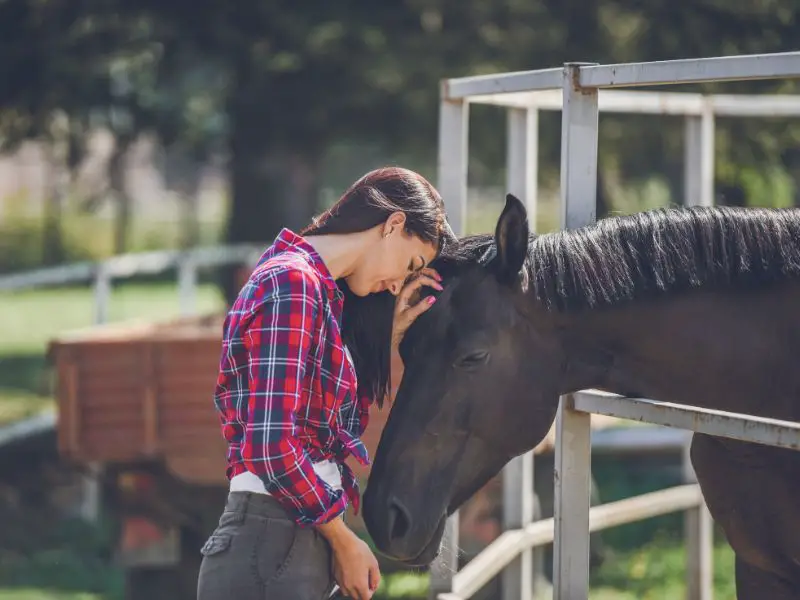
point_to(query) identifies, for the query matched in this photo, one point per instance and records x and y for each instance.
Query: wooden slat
(150, 399)
(73, 408)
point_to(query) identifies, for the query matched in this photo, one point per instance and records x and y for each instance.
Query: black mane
(649, 253)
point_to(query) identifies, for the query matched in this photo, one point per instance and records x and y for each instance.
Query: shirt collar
(289, 239)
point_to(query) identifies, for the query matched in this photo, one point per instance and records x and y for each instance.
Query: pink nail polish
(431, 299)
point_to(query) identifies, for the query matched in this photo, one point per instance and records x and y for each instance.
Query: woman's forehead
(424, 249)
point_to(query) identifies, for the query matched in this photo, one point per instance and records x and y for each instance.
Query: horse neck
(711, 349)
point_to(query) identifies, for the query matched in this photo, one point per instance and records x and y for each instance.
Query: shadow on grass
(27, 372)
(25, 385)
(60, 556)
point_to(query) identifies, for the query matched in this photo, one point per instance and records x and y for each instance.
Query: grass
(39, 594)
(655, 571)
(30, 319)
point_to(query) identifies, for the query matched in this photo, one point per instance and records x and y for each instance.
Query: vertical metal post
(699, 535)
(522, 174)
(452, 161)
(518, 577)
(698, 159)
(452, 184)
(518, 502)
(92, 498)
(579, 122)
(187, 284)
(102, 293)
(573, 462)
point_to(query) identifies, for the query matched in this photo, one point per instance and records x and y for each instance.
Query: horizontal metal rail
(494, 558)
(692, 70)
(657, 103)
(126, 265)
(544, 79)
(747, 428)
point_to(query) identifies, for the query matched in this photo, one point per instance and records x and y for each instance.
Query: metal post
(699, 535)
(519, 579)
(452, 163)
(187, 284)
(518, 503)
(522, 174)
(102, 294)
(452, 184)
(578, 152)
(573, 429)
(91, 499)
(699, 159)
(573, 462)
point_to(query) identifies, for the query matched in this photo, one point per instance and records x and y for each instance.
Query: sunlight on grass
(30, 319)
(34, 594)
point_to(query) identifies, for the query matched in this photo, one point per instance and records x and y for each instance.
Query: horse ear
(511, 238)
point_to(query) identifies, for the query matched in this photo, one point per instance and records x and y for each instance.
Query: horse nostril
(399, 519)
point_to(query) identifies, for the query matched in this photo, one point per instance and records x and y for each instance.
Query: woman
(319, 308)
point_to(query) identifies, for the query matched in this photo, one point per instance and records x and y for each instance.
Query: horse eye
(473, 359)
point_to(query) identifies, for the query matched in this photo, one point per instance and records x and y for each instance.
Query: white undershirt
(327, 470)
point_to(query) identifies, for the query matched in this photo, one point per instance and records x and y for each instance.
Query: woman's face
(394, 256)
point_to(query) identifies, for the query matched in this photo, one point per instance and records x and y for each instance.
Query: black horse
(699, 306)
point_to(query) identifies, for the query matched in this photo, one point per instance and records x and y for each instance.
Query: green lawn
(654, 572)
(39, 594)
(29, 319)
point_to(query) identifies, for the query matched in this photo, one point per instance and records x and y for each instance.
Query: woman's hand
(408, 306)
(355, 567)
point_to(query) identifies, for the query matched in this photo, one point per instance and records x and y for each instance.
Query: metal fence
(575, 90)
(102, 273)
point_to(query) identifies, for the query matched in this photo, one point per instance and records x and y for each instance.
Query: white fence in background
(575, 89)
(103, 273)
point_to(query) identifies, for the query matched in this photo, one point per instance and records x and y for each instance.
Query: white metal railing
(102, 273)
(577, 96)
(480, 570)
(573, 460)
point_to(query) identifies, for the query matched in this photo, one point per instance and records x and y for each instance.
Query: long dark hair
(367, 321)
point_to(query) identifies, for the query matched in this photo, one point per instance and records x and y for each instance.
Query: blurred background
(132, 127)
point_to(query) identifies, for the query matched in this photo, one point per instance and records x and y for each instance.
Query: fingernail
(431, 299)
(439, 277)
(438, 287)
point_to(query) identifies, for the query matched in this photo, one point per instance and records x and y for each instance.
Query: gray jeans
(258, 553)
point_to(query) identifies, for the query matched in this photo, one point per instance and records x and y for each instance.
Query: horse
(692, 305)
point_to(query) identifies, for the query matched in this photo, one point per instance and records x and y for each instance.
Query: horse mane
(650, 253)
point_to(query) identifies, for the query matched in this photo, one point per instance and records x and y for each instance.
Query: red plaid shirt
(286, 391)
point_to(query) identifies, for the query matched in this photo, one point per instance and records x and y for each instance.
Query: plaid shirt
(286, 391)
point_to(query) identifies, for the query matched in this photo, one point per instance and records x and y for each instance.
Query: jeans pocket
(216, 544)
(274, 549)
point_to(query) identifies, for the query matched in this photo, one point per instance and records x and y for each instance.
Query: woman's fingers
(420, 307)
(431, 272)
(404, 298)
